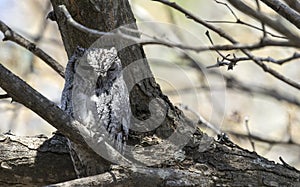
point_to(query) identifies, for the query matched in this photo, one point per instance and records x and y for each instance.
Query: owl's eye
(87, 68)
(112, 68)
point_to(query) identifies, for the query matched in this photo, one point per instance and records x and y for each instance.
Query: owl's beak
(102, 74)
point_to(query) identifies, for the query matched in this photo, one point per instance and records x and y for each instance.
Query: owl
(95, 94)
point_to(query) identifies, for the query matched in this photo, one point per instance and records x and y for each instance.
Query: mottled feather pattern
(95, 94)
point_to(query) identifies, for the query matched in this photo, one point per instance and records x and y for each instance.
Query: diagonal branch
(11, 35)
(79, 26)
(38, 103)
(4, 96)
(294, 4)
(265, 19)
(285, 11)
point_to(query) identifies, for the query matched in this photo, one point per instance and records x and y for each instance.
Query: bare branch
(231, 62)
(225, 4)
(201, 119)
(159, 41)
(152, 40)
(249, 133)
(4, 96)
(262, 24)
(272, 71)
(260, 139)
(239, 21)
(294, 4)
(282, 61)
(235, 84)
(80, 27)
(9, 34)
(139, 176)
(258, 61)
(285, 11)
(265, 19)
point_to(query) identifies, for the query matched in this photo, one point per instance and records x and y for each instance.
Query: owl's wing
(114, 112)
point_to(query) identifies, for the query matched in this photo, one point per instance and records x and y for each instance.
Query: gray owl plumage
(96, 95)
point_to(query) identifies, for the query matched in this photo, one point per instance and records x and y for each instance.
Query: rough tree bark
(37, 161)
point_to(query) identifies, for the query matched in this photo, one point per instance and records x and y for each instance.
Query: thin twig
(201, 120)
(248, 25)
(228, 7)
(286, 164)
(272, 71)
(233, 83)
(80, 27)
(151, 40)
(4, 96)
(193, 17)
(288, 59)
(262, 24)
(239, 21)
(260, 139)
(249, 133)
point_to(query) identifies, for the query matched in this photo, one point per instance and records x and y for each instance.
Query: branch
(257, 61)
(9, 34)
(189, 15)
(294, 4)
(79, 26)
(239, 21)
(4, 96)
(142, 176)
(265, 19)
(202, 120)
(282, 61)
(285, 11)
(261, 139)
(272, 71)
(40, 161)
(262, 24)
(158, 41)
(167, 43)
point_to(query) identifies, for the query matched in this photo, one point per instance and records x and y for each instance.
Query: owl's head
(105, 62)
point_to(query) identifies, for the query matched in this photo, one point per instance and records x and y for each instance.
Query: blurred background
(239, 101)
